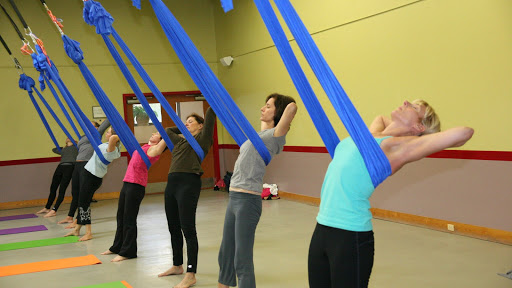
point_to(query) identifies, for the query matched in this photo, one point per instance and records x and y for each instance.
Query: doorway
(184, 103)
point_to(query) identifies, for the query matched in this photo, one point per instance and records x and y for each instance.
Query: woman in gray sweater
(244, 207)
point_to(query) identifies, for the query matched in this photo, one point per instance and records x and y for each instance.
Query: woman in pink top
(132, 193)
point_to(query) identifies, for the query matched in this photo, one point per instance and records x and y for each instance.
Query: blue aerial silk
(38, 61)
(27, 83)
(315, 110)
(51, 73)
(216, 95)
(376, 161)
(95, 15)
(74, 52)
(26, 80)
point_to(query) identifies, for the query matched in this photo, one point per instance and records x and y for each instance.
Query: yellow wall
(23, 134)
(454, 54)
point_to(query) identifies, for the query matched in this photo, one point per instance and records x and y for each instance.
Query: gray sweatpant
(236, 251)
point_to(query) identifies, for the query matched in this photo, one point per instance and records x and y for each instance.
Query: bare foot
(44, 210)
(188, 281)
(222, 286)
(66, 220)
(73, 233)
(52, 213)
(119, 258)
(175, 270)
(86, 237)
(108, 252)
(71, 226)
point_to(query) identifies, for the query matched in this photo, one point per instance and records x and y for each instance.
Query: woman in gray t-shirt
(244, 207)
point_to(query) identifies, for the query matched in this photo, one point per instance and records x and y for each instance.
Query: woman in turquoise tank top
(342, 247)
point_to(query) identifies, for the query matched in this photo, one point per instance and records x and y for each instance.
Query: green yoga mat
(38, 243)
(119, 284)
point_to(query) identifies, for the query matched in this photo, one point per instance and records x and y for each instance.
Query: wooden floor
(406, 256)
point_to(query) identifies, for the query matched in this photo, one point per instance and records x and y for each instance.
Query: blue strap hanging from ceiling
(376, 161)
(38, 60)
(56, 118)
(227, 5)
(90, 131)
(74, 52)
(315, 110)
(41, 80)
(27, 83)
(96, 15)
(225, 108)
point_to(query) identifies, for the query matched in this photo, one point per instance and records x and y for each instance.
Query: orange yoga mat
(48, 265)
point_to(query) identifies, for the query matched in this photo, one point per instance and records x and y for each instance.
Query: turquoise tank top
(346, 190)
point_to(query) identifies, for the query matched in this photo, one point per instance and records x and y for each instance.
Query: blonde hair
(430, 120)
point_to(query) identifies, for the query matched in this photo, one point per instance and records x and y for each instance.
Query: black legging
(339, 258)
(181, 197)
(89, 185)
(125, 242)
(61, 179)
(75, 187)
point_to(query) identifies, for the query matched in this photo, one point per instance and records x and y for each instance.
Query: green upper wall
(454, 54)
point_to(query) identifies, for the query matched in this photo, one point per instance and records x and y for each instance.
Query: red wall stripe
(446, 154)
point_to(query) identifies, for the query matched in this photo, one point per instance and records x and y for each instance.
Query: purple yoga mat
(16, 217)
(23, 229)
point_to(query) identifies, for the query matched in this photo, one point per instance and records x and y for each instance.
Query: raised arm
(157, 149)
(175, 129)
(209, 125)
(103, 126)
(175, 138)
(284, 124)
(112, 143)
(54, 150)
(379, 124)
(413, 148)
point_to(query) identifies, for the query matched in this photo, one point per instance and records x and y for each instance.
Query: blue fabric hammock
(74, 52)
(227, 111)
(95, 15)
(50, 72)
(27, 83)
(375, 160)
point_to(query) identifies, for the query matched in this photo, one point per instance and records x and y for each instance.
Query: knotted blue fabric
(95, 15)
(27, 83)
(227, 5)
(202, 75)
(50, 72)
(375, 160)
(74, 52)
(39, 60)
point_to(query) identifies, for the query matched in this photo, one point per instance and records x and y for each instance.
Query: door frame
(215, 151)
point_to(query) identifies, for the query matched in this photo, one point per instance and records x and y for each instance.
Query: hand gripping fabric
(376, 161)
(95, 15)
(216, 95)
